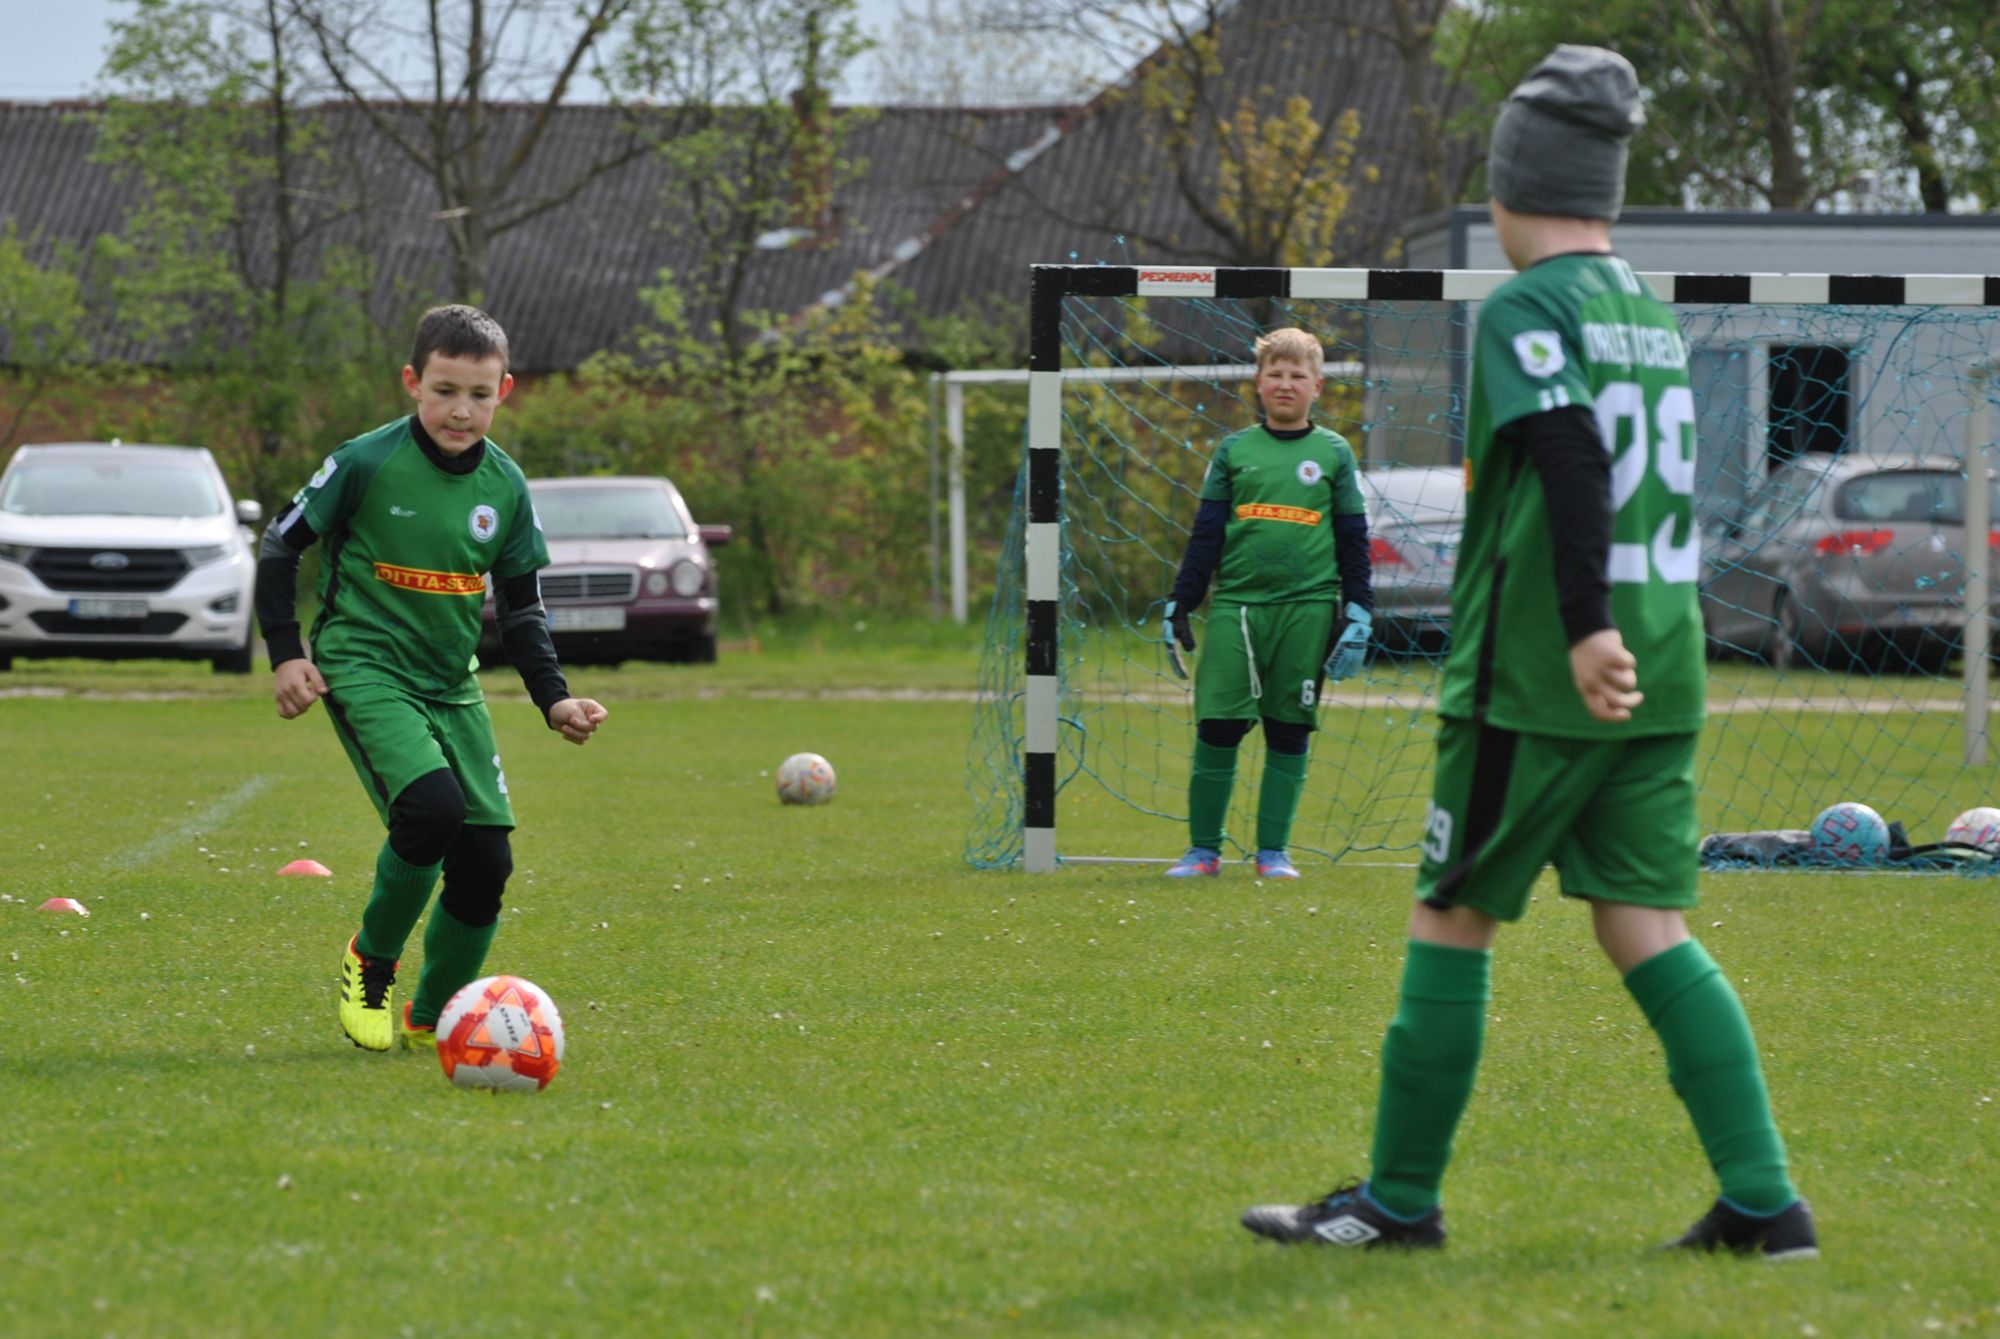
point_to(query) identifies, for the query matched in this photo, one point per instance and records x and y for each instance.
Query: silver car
(1416, 521)
(1842, 560)
(112, 551)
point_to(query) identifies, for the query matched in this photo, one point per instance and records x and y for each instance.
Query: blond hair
(1293, 343)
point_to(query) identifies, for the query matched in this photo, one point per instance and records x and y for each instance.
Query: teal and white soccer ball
(805, 778)
(1976, 827)
(1851, 833)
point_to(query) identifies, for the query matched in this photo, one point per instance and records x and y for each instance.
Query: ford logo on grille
(110, 562)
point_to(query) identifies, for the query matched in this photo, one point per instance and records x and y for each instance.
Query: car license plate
(595, 619)
(107, 608)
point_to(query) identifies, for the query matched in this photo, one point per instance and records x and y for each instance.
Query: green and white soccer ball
(805, 778)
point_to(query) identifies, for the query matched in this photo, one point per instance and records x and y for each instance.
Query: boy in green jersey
(1283, 532)
(1579, 567)
(419, 516)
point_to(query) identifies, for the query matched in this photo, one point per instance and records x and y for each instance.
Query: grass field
(823, 1079)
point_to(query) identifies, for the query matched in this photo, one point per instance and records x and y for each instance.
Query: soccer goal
(1835, 416)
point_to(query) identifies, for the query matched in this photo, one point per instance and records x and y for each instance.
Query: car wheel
(702, 650)
(1781, 645)
(233, 662)
(6, 663)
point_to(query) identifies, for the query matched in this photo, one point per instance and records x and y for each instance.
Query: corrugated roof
(1103, 187)
(954, 204)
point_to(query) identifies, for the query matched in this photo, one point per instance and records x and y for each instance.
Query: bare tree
(1436, 43)
(224, 265)
(752, 172)
(979, 53)
(475, 112)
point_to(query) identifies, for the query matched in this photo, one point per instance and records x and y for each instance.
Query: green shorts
(1263, 660)
(393, 737)
(1616, 817)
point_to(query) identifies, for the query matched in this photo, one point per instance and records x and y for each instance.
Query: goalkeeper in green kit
(1283, 533)
(417, 517)
(1576, 587)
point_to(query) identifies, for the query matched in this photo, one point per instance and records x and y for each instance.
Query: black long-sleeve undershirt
(524, 636)
(1203, 555)
(1568, 453)
(285, 540)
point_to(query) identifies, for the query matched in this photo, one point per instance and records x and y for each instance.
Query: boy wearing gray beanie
(1578, 564)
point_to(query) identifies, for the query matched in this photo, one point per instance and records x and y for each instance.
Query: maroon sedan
(630, 575)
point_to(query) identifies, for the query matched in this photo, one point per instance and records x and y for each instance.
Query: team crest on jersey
(1309, 471)
(1540, 352)
(483, 522)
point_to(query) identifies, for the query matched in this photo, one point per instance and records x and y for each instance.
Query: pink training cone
(307, 867)
(68, 904)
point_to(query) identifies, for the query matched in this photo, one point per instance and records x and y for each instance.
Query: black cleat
(1785, 1235)
(1346, 1217)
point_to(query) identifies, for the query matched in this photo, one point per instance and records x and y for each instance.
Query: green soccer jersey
(1278, 547)
(407, 549)
(1577, 330)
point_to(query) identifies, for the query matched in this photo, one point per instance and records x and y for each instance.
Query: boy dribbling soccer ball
(417, 517)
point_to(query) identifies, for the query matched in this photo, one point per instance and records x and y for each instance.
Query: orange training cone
(68, 904)
(307, 867)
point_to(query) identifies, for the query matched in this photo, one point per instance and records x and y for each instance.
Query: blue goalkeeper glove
(1344, 660)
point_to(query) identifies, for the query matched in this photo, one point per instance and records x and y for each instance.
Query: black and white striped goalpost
(1051, 284)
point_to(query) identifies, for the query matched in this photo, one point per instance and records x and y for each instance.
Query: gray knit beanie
(1559, 141)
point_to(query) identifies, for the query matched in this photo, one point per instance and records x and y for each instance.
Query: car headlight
(656, 583)
(688, 577)
(209, 553)
(17, 553)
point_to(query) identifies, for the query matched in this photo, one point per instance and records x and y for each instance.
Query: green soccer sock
(1210, 780)
(402, 890)
(1712, 1063)
(1429, 1058)
(1278, 798)
(453, 954)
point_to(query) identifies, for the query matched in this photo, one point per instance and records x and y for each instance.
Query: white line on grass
(1832, 706)
(99, 695)
(1421, 703)
(155, 847)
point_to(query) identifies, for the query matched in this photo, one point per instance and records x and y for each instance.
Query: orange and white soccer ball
(805, 778)
(501, 1033)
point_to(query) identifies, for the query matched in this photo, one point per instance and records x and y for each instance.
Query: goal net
(1844, 560)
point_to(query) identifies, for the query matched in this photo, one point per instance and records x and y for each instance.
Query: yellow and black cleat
(414, 1037)
(367, 999)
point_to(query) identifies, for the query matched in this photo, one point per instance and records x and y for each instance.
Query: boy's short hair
(1294, 343)
(458, 331)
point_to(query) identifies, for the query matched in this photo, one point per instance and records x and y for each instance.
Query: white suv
(114, 551)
